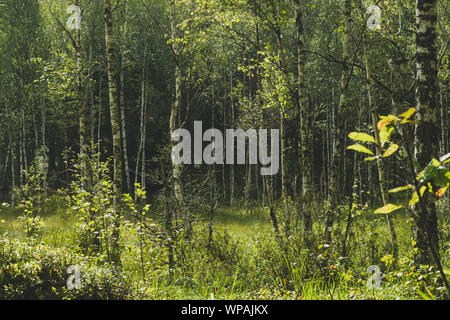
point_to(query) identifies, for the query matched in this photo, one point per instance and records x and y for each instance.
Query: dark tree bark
(427, 132)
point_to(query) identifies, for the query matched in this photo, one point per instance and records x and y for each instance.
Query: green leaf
(386, 133)
(406, 115)
(370, 158)
(388, 208)
(360, 148)
(415, 197)
(424, 296)
(390, 151)
(442, 176)
(435, 162)
(398, 189)
(360, 136)
(431, 170)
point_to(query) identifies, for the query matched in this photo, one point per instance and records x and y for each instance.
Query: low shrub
(31, 270)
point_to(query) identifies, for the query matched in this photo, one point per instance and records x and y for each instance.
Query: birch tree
(427, 131)
(115, 125)
(305, 130)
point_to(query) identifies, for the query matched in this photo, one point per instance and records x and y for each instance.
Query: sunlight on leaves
(398, 189)
(360, 136)
(388, 208)
(390, 151)
(406, 115)
(360, 148)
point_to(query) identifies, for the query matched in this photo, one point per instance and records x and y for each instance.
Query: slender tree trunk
(36, 135)
(343, 105)
(22, 149)
(82, 111)
(8, 156)
(396, 92)
(144, 134)
(260, 193)
(24, 132)
(269, 197)
(232, 126)
(212, 204)
(122, 107)
(256, 174)
(224, 183)
(44, 120)
(305, 132)
(141, 140)
(212, 182)
(20, 164)
(176, 170)
(115, 125)
(427, 132)
(284, 181)
(247, 182)
(99, 125)
(169, 225)
(92, 98)
(284, 195)
(13, 174)
(380, 166)
(5, 166)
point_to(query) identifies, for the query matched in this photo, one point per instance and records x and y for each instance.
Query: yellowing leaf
(388, 208)
(398, 189)
(439, 193)
(382, 123)
(360, 148)
(435, 162)
(415, 197)
(386, 120)
(385, 133)
(360, 136)
(420, 175)
(370, 158)
(408, 113)
(392, 148)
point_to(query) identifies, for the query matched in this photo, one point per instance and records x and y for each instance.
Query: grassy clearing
(246, 262)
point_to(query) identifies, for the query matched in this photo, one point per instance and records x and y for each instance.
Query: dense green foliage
(243, 262)
(88, 191)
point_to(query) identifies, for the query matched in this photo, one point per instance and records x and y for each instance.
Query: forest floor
(244, 260)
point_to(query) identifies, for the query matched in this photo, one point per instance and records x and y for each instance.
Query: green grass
(259, 270)
(242, 225)
(57, 226)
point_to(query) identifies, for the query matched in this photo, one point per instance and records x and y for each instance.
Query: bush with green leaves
(32, 198)
(92, 202)
(36, 271)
